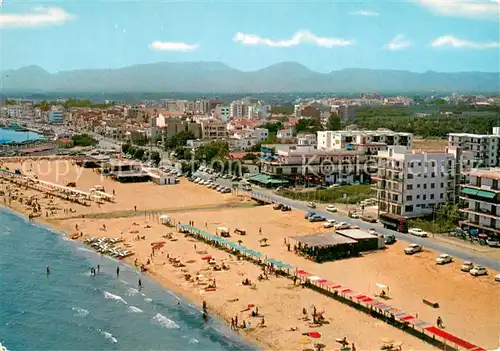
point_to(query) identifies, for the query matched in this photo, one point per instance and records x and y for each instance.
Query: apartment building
(238, 109)
(260, 134)
(176, 125)
(310, 163)
(214, 130)
(224, 113)
(481, 197)
(413, 183)
(485, 148)
(135, 111)
(55, 116)
(304, 139)
(285, 133)
(374, 140)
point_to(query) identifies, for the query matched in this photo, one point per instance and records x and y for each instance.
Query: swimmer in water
(140, 283)
(117, 272)
(48, 269)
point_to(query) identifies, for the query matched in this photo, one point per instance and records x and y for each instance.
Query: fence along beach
(134, 218)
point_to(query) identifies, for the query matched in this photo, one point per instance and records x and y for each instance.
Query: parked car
(417, 232)
(331, 208)
(309, 214)
(342, 225)
(412, 249)
(285, 208)
(389, 239)
(311, 205)
(478, 270)
(493, 242)
(330, 223)
(247, 187)
(353, 214)
(372, 231)
(467, 266)
(369, 219)
(226, 191)
(497, 278)
(316, 218)
(443, 259)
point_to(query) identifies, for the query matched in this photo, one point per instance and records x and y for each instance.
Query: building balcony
(485, 188)
(479, 226)
(482, 213)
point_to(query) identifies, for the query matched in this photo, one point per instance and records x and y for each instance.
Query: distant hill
(216, 77)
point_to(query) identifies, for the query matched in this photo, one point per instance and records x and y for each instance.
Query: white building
(483, 147)
(482, 198)
(238, 109)
(260, 134)
(350, 139)
(306, 139)
(412, 183)
(55, 116)
(285, 133)
(258, 111)
(241, 144)
(224, 113)
(296, 110)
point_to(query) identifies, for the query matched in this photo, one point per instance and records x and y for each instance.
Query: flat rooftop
(356, 234)
(323, 240)
(491, 173)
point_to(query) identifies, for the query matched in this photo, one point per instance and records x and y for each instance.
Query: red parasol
(206, 258)
(314, 335)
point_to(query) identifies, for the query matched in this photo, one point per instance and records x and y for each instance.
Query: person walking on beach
(439, 322)
(117, 271)
(135, 208)
(260, 230)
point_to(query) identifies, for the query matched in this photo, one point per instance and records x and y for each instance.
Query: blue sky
(419, 35)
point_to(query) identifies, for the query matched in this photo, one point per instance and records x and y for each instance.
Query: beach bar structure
(365, 240)
(326, 247)
(92, 161)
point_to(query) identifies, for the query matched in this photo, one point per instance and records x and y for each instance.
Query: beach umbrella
(304, 341)
(206, 258)
(314, 335)
(381, 286)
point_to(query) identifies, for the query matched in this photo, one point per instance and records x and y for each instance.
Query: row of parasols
(235, 246)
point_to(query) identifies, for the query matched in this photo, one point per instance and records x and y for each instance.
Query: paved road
(459, 254)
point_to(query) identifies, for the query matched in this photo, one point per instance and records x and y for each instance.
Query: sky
(323, 35)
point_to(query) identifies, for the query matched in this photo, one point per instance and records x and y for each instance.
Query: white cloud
(40, 17)
(399, 42)
(464, 8)
(450, 41)
(300, 37)
(364, 13)
(171, 46)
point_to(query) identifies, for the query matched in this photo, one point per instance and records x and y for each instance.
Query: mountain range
(217, 77)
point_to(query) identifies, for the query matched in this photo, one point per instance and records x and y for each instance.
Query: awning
(470, 191)
(486, 194)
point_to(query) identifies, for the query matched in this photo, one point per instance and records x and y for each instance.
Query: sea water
(69, 309)
(9, 135)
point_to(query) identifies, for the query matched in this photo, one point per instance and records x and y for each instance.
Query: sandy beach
(469, 306)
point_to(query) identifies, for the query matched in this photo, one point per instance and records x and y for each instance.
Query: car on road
(316, 218)
(331, 208)
(413, 249)
(417, 232)
(309, 214)
(226, 191)
(369, 219)
(493, 242)
(342, 225)
(311, 205)
(478, 270)
(330, 223)
(389, 239)
(467, 266)
(443, 259)
(372, 231)
(247, 187)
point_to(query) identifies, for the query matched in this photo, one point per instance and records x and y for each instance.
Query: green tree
(333, 122)
(272, 127)
(155, 157)
(213, 150)
(308, 125)
(126, 148)
(179, 139)
(139, 153)
(83, 140)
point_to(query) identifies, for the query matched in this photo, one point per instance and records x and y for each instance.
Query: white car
(311, 205)
(342, 225)
(497, 278)
(417, 232)
(493, 242)
(467, 266)
(330, 223)
(443, 259)
(372, 231)
(331, 208)
(412, 249)
(478, 270)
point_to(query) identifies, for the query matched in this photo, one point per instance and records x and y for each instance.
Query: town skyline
(418, 36)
